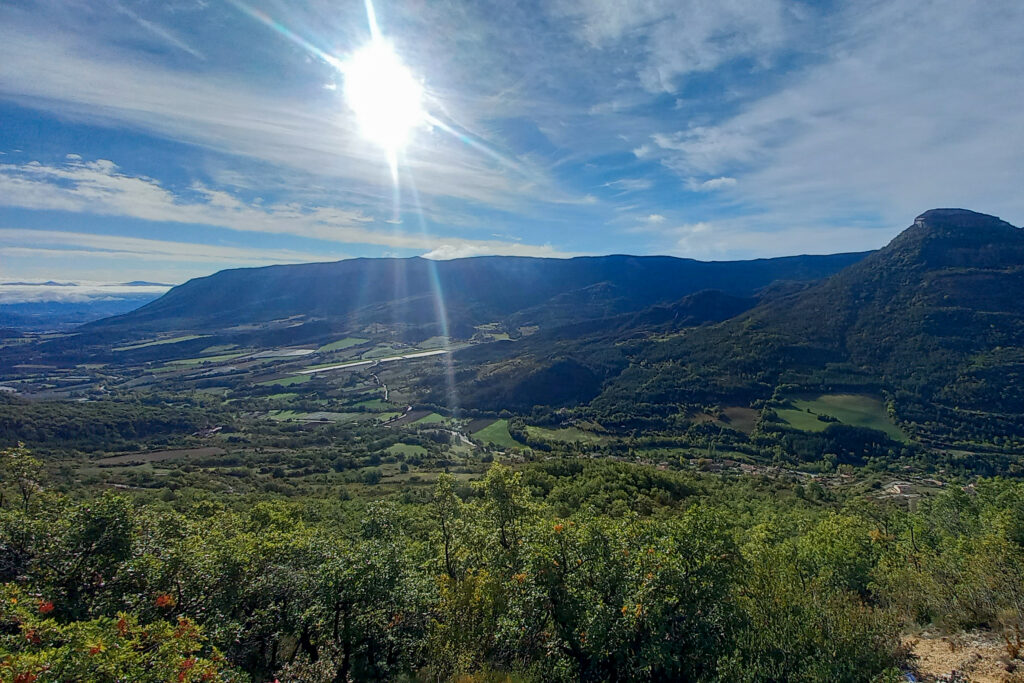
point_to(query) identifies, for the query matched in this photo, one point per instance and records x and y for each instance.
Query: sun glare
(386, 98)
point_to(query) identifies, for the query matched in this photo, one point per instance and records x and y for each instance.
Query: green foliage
(560, 570)
(37, 647)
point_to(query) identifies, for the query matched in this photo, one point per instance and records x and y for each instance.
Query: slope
(935, 320)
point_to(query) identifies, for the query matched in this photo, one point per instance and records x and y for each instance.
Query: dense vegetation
(778, 486)
(103, 426)
(558, 570)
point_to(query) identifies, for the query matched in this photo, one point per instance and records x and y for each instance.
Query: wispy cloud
(63, 244)
(911, 107)
(309, 131)
(98, 187)
(679, 38)
(157, 30)
(711, 184)
(625, 185)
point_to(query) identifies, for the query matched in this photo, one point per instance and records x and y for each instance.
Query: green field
(407, 449)
(342, 344)
(856, 410)
(433, 418)
(496, 433)
(158, 342)
(375, 404)
(207, 359)
(286, 381)
(219, 348)
(387, 351)
(565, 434)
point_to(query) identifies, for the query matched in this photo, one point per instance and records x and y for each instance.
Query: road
(356, 364)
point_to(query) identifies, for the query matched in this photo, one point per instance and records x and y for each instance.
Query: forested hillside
(560, 571)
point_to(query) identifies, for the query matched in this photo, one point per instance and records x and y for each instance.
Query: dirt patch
(977, 657)
(479, 423)
(158, 456)
(742, 419)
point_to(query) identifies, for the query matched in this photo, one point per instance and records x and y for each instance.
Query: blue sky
(161, 140)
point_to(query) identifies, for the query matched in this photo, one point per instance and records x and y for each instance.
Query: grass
(207, 359)
(342, 344)
(286, 381)
(158, 342)
(437, 342)
(158, 456)
(219, 348)
(282, 396)
(385, 351)
(374, 404)
(496, 433)
(857, 410)
(407, 449)
(740, 418)
(565, 434)
(432, 418)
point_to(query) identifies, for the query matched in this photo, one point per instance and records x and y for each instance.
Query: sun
(385, 97)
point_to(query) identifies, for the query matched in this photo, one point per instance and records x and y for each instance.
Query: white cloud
(59, 243)
(312, 134)
(630, 184)
(98, 187)
(710, 185)
(74, 292)
(910, 106)
(679, 38)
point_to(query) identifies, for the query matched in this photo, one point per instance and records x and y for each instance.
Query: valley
(855, 429)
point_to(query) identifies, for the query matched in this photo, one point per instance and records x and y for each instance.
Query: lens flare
(385, 97)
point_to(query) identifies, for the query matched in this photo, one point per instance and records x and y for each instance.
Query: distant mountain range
(933, 323)
(408, 294)
(59, 305)
(63, 315)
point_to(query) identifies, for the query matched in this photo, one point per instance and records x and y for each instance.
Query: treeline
(109, 425)
(538, 574)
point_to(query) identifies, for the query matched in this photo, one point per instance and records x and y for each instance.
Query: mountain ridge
(475, 290)
(935, 319)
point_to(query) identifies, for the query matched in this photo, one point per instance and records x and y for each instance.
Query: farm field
(565, 435)
(160, 456)
(496, 433)
(208, 359)
(341, 344)
(286, 381)
(856, 410)
(160, 342)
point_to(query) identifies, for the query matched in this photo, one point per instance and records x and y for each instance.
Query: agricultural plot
(160, 456)
(407, 450)
(345, 343)
(857, 410)
(159, 342)
(208, 359)
(565, 435)
(496, 433)
(740, 419)
(286, 381)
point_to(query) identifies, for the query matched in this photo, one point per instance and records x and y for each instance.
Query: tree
(22, 471)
